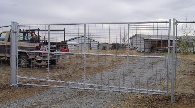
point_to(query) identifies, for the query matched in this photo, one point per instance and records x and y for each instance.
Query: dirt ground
(185, 83)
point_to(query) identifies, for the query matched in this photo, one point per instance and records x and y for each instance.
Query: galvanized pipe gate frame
(14, 68)
(174, 54)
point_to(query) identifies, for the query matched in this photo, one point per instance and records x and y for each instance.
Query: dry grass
(72, 68)
(189, 56)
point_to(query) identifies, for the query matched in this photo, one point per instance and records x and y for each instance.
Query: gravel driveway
(142, 68)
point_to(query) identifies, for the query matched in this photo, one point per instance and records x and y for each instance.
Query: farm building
(150, 43)
(113, 46)
(105, 46)
(77, 43)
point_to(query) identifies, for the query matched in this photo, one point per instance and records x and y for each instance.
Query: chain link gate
(123, 57)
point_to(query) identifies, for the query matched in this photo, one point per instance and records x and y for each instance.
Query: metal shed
(150, 43)
(77, 43)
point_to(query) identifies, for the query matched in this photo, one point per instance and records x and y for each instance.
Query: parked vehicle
(31, 49)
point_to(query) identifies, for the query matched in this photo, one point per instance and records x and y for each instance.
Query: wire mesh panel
(129, 57)
(184, 46)
(185, 32)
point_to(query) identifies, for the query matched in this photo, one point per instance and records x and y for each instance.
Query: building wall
(105, 46)
(79, 44)
(147, 45)
(137, 43)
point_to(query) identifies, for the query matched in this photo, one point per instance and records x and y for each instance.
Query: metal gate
(123, 57)
(184, 34)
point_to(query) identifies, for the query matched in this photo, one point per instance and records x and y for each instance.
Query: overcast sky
(72, 11)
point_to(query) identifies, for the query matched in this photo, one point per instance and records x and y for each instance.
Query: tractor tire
(52, 62)
(23, 61)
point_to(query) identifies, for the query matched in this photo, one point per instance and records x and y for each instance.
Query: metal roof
(153, 37)
(81, 37)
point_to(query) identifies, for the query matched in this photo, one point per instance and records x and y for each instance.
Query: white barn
(77, 43)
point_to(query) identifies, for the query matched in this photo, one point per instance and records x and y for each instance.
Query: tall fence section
(184, 36)
(122, 57)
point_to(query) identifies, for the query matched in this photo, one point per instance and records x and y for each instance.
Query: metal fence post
(13, 52)
(85, 46)
(173, 64)
(168, 61)
(49, 45)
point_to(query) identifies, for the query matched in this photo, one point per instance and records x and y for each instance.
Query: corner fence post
(13, 52)
(173, 64)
